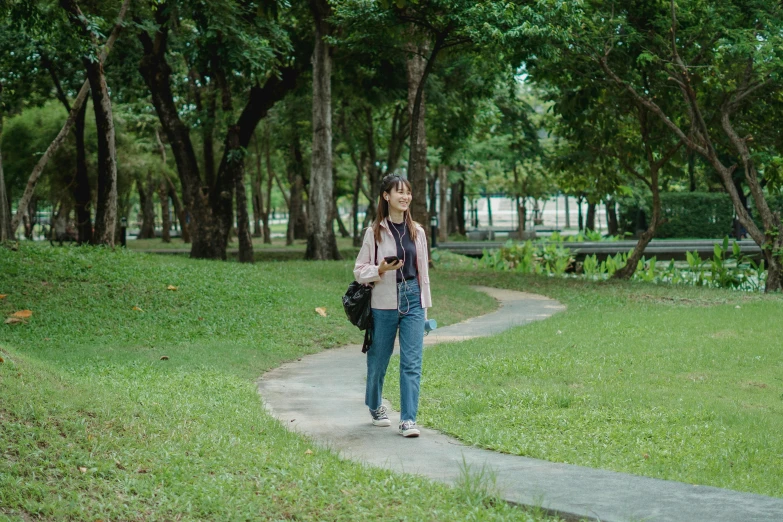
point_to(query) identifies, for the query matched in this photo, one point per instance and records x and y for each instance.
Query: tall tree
(254, 74)
(6, 233)
(321, 241)
(731, 61)
(106, 209)
(35, 175)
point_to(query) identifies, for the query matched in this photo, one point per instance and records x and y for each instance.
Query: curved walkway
(322, 396)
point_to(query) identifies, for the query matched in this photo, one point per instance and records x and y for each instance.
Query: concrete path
(322, 397)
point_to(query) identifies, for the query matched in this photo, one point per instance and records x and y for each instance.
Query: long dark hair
(392, 181)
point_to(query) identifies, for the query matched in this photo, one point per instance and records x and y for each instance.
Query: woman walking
(394, 257)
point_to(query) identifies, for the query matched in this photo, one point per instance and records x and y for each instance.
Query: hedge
(690, 215)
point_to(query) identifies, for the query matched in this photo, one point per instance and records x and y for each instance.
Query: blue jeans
(409, 319)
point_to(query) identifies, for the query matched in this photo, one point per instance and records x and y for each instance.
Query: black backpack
(356, 303)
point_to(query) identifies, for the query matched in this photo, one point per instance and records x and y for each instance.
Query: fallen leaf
(82, 469)
(171, 287)
(141, 470)
(309, 452)
(3, 296)
(321, 311)
(13, 320)
(136, 308)
(22, 314)
(164, 357)
(1, 359)
(646, 455)
(119, 465)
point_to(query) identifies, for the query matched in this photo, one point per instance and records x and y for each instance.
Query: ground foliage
(678, 383)
(128, 393)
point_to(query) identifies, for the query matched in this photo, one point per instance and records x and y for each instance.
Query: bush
(690, 214)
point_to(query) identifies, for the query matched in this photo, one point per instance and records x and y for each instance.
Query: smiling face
(399, 198)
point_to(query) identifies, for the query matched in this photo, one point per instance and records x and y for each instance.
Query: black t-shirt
(406, 250)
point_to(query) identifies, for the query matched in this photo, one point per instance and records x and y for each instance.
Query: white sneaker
(379, 417)
(408, 429)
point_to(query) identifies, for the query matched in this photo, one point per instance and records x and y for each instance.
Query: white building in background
(551, 215)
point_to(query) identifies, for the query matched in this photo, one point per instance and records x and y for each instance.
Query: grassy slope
(669, 382)
(93, 424)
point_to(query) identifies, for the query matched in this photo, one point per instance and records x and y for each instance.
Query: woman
(399, 299)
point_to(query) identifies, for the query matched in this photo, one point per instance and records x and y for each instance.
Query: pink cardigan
(384, 295)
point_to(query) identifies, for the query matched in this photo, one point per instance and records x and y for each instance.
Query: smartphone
(391, 259)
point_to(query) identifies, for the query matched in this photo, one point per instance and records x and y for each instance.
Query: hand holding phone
(390, 263)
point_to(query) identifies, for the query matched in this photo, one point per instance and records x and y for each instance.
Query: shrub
(690, 214)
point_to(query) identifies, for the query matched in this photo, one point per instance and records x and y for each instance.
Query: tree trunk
(453, 204)
(357, 188)
(243, 221)
(567, 213)
(207, 240)
(611, 217)
(82, 192)
(256, 194)
(344, 233)
(266, 210)
(633, 260)
(417, 68)
(147, 204)
(208, 138)
(692, 170)
(443, 221)
(106, 208)
(321, 242)
(489, 210)
(181, 212)
(297, 218)
(459, 207)
(590, 221)
(165, 227)
(521, 216)
(6, 234)
(257, 200)
(171, 191)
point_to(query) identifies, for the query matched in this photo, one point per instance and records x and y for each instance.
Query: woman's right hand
(385, 267)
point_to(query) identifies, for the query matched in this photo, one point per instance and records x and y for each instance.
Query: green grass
(276, 251)
(277, 244)
(94, 424)
(668, 382)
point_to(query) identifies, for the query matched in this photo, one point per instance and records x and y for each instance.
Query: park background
(258, 132)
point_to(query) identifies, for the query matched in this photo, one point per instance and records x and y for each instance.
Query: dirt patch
(725, 334)
(754, 384)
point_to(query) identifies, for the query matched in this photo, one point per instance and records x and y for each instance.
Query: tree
(731, 59)
(321, 242)
(212, 41)
(67, 126)
(106, 210)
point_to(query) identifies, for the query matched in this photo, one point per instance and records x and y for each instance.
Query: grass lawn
(258, 244)
(276, 251)
(670, 382)
(123, 399)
